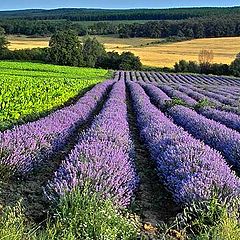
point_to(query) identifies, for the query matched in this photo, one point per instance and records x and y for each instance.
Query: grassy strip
(80, 215)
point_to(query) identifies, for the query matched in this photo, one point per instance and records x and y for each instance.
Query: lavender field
(149, 144)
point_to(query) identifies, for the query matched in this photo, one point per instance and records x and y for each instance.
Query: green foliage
(182, 66)
(125, 61)
(91, 51)
(173, 102)
(65, 49)
(28, 90)
(79, 215)
(129, 61)
(211, 219)
(83, 215)
(204, 68)
(235, 67)
(3, 40)
(34, 54)
(13, 225)
(203, 103)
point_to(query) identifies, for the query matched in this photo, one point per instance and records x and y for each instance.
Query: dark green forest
(82, 14)
(155, 23)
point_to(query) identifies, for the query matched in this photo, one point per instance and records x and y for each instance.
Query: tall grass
(79, 215)
(13, 224)
(211, 220)
(82, 215)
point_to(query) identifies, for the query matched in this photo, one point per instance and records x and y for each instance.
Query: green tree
(181, 66)
(3, 40)
(65, 49)
(235, 67)
(129, 62)
(92, 50)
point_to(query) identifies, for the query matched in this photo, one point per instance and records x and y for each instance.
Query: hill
(83, 14)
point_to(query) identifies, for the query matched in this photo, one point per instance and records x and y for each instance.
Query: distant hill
(83, 14)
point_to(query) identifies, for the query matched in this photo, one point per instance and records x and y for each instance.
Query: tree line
(165, 23)
(65, 48)
(192, 28)
(83, 14)
(232, 69)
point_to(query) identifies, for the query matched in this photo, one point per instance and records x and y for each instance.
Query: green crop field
(28, 90)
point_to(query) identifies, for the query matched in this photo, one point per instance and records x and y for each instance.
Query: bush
(13, 224)
(129, 62)
(92, 50)
(125, 61)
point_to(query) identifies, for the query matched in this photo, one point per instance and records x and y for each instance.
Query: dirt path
(153, 203)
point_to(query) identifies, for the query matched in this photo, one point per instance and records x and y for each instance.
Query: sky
(23, 4)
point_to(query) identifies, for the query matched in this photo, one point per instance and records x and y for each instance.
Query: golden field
(160, 55)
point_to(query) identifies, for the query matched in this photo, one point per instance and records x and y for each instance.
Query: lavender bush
(103, 157)
(229, 119)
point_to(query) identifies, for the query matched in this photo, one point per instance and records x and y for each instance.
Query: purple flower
(189, 169)
(103, 157)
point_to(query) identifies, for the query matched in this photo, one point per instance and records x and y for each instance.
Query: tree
(3, 40)
(109, 61)
(129, 62)
(65, 49)
(182, 66)
(235, 67)
(92, 50)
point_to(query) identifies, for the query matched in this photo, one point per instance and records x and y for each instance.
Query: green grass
(84, 215)
(79, 215)
(210, 220)
(29, 90)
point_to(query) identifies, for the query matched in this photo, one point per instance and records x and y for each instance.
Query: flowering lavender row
(162, 97)
(25, 147)
(159, 98)
(177, 94)
(224, 91)
(190, 169)
(229, 119)
(217, 91)
(211, 132)
(218, 97)
(197, 96)
(103, 156)
(185, 78)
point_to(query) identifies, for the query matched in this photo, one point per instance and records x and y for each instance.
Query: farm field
(145, 142)
(159, 55)
(30, 90)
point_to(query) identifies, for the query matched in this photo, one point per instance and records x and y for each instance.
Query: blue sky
(22, 4)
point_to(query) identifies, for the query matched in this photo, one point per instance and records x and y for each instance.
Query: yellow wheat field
(161, 55)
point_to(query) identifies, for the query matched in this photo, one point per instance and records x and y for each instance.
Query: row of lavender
(103, 157)
(185, 79)
(24, 147)
(224, 109)
(213, 86)
(190, 169)
(229, 119)
(211, 132)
